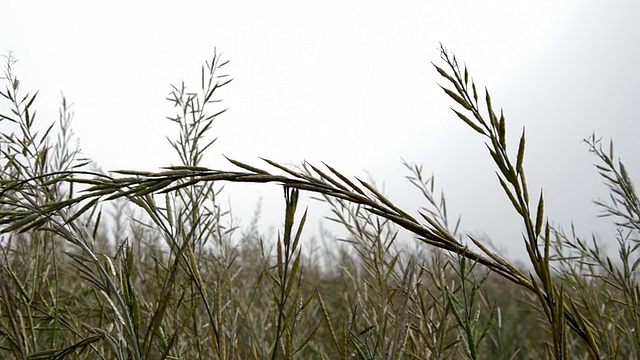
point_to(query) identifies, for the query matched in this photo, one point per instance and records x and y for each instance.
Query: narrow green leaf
(293, 274)
(247, 167)
(466, 75)
(623, 172)
(547, 268)
(344, 179)
(602, 168)
(325, 315)
(279, 258)
(137, 190)
(513, 200)
(525, 187)
(180, 186)
(492, 114)
(86, 207)
(611, 149)
(299, 231)
(290, 172)
(96, 226)
(307, 339)
(453, 304)
(475, 92)
(457, 98)
(502, 130)
(539, 214)
(54, 180)
(520, 157)
(635, 265)
(144, 190)
(469, 122)
(328, 178)
(443, 73)
(499, 161)
(31, 101)
(169, 210)
(379, 195)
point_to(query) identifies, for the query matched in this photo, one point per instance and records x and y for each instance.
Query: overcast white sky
(350, 84)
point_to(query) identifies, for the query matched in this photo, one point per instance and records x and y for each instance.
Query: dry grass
(142, 265)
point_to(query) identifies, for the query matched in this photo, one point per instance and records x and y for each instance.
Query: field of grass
(148, 265)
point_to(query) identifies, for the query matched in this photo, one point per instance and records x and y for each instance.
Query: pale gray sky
(350, 84)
